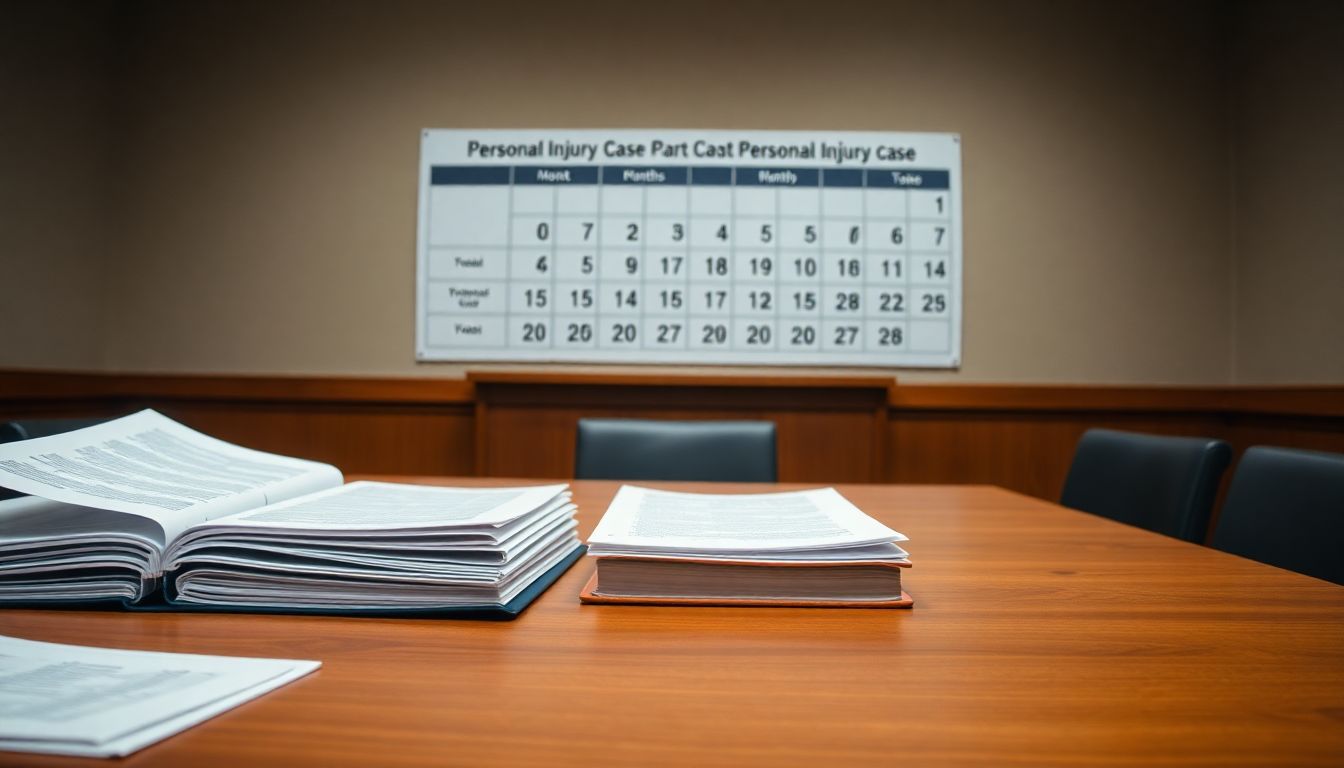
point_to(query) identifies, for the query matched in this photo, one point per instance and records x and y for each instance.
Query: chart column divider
(688, 300)
(864, 311)
(732, 258)
(642, 324)
(597, 260)
(508, 260)
(555, 264)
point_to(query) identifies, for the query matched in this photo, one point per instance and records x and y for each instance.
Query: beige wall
(56, 218)
(1289, 193)
(266, 180)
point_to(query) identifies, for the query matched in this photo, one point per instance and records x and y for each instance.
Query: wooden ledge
(47, 385)
(681, 380)
(1311, 401)
(1307, 400)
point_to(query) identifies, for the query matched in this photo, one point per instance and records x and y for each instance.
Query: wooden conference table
(1040, 636)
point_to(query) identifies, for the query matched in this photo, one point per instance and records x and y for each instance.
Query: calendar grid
(768, 262)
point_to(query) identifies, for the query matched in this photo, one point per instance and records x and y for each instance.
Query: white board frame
(932, 153)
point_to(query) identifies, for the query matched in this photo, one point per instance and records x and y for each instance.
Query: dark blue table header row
(446, 175)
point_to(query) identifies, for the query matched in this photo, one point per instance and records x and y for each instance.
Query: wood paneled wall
(828, 429)
(1023, 437)
(831, 429)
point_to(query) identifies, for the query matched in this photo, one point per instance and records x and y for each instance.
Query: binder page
(149, 465)
(33, 522)
(643, 520)
(50, 551)
(366, 506)
(101, 702)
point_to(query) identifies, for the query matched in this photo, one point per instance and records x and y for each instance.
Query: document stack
(147, 513)
(805, 548)
(375, 547)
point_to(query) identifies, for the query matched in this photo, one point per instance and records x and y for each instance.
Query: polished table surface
(1040, 636)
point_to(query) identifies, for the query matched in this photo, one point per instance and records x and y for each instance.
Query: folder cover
(591, 595)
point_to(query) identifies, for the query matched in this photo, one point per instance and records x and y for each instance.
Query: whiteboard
(674, 246)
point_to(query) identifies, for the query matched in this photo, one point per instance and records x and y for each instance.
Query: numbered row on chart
(677, 267)
(480, 299)
(788, 201)
(710, 334)
(873, 233)
(450, 206)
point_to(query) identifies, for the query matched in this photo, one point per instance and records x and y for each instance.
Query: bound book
(145, 513)
(803, 548)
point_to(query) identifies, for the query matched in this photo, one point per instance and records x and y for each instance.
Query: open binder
(142, 513)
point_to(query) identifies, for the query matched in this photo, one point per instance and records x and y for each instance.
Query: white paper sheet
(643, 520)
(149, 465)
(365, 505)
(102, 702)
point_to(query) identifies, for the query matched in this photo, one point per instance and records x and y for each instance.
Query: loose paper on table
(102, 702)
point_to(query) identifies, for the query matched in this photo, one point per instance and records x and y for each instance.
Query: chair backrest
(639, 449)
(1286, 508)
(1164, 484)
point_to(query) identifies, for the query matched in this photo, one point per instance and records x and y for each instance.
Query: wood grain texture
(1023, 437)
(526, 425)
(1316, 401)
(48, 385)
(360, 425)
(1327, 401)
(1027, 452)
(763, 381)
(831, 429)
(1040, 637)
(355, 438)
(1024, 397)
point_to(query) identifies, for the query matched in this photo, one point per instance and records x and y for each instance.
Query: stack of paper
(142, 510)
(377, 545)
(797, 548)
(99, 702)
(56, 552)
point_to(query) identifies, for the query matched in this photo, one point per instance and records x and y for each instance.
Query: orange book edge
(589, 595)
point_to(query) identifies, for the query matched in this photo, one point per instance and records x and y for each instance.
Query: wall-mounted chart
(711, 247)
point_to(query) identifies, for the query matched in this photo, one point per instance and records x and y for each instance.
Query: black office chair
(638, 449)
(1163, 484)
(1286, 508)
(27, 429)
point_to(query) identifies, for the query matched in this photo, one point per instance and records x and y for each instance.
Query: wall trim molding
(1307, 400)
(841, 429)
(29, 386)
(763, 379)
(57, 385)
